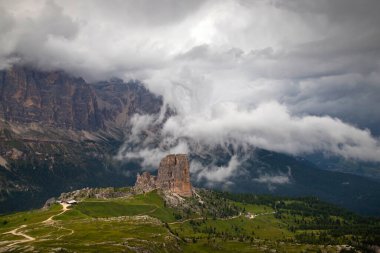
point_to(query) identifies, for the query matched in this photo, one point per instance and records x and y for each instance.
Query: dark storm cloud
(350, 12)
(29, 39)
(289, 76)
(143, 12)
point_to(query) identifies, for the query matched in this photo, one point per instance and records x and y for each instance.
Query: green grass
(107, 235)
(145, 204)
(137, 223)
(25, 218)
(255, 209)
(163, 214)
(217, 245)
(147, 198)
(261, 227)
(72, 214)
(102, 223)
(112, 208)
(8, 237)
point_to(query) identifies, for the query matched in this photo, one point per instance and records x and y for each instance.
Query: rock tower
(173, 176)
(145, 182)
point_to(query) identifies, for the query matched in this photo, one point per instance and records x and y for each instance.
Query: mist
(287, 76)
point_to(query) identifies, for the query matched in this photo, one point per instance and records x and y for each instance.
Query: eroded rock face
(55, 98)
(173, 176)
(145, 182)
(52, 98)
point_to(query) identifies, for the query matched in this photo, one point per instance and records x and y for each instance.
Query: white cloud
(271, 126)
(275, 179)
(151, 157)
(281, 75)
(216, 174)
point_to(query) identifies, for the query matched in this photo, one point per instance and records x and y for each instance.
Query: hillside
(118, 220)
(266, 172)
(59, 133)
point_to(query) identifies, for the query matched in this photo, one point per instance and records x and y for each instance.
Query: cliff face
(173, 176)
(59, 133)
(52, 98)
(145, 182)
(119, 101)
(60, 100)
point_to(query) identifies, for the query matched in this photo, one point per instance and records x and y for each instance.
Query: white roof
(71, 201)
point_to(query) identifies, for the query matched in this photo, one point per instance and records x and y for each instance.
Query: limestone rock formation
(173, 176)
(57, 99)
(145, 182)
(51, 98)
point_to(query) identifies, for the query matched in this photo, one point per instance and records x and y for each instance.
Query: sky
(291, 76)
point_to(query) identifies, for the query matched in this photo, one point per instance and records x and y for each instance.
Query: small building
(72, 202)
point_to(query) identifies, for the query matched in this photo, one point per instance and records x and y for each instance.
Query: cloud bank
(289, 76)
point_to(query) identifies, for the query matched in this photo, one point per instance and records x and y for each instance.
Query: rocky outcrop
(145, 182)
(173, 176)
(119, 101)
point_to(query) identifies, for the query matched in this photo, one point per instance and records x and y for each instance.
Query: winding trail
(201, 218)
(14, 232)
(48, 221)
(260, 214)
(183, 221)
(227, 218)
(68, 229)
(64, 209)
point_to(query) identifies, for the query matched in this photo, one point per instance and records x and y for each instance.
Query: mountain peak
(173, 176)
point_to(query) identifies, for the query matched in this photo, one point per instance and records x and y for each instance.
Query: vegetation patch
(208, 222)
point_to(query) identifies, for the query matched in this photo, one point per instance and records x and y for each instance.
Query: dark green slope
(367, 169)
(266, 172)
(45, 169)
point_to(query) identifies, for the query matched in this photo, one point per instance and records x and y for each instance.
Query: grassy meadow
(145, 223)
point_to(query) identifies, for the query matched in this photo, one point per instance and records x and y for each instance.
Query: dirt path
(260, 214)
(183, 221)
(228, 218)
(201, 218)
(28, 238)
(50, 221)
(14, 232)
(68, 229)
(64, 209)
(148, 212)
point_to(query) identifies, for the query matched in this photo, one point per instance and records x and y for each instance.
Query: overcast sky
(286, 75)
